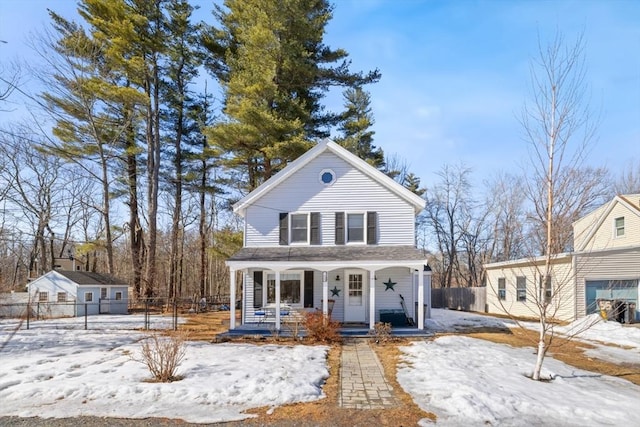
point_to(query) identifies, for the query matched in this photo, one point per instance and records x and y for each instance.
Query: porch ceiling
(327, 257)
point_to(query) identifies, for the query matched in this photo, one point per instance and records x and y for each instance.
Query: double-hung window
(521, 288)
(355, 227)
(43, 296)
(502, 289)
(619, 226)
(299, 228)
(545, 289)
(62, 297)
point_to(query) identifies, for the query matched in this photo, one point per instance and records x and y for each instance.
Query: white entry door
(354, 296)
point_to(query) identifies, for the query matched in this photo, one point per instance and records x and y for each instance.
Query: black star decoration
(389, 285)
(335, 292)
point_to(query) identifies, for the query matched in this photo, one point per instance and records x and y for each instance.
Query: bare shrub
(381, 333)
(162, 354)
(321, 328)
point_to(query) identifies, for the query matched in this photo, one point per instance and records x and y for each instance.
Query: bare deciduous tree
(559, 128)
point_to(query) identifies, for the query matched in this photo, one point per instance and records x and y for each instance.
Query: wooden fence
(466, 299)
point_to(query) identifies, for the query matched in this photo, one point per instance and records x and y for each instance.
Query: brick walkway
(362, 382)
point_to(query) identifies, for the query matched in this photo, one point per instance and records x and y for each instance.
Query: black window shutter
(284, 228)
(339, 228)
(308, 289)
(257, 289)
(372, 228)
(315, 228)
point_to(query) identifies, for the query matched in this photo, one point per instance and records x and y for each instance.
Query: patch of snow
(467, 381)
(63, 372)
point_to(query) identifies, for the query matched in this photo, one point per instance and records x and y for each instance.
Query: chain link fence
(142, 314)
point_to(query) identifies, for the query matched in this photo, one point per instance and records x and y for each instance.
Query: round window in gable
(327, 176)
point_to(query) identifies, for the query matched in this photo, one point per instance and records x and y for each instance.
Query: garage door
(616, 289)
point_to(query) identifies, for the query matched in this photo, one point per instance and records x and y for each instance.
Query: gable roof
(624, 200)
(89, 278)
(323, 146)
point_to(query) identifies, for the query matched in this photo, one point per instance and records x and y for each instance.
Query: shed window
(521, 288)
(62, 297)
(88, 296)
(502, 289)
(43, 296)
(619, 225)
(118, 296)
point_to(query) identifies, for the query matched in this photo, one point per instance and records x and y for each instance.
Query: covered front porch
(356, 286)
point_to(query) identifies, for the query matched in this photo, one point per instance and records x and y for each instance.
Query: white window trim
(118, 295)
(85, 296)
(327, 184)
(290, 219)
(364, 227)
(43, 296)
(63, 295)
(265, 286)
(615, 228)
(504, 288)
(525, 289)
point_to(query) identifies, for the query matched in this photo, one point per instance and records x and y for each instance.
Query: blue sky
(455, 74)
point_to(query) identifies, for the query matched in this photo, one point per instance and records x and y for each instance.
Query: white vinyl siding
(352, 191)
(562, 306)
(610, 232)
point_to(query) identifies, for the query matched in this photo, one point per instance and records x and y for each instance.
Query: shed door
(104, 301)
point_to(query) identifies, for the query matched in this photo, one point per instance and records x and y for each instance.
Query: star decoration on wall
(335, 292)
(389, 285)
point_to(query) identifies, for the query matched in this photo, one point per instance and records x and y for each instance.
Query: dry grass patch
(204, 326)
(570, 352)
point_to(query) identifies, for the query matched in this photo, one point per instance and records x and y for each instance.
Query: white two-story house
(329, 230)
(605, 265)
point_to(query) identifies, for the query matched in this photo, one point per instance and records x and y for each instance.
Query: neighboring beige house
(605, 264)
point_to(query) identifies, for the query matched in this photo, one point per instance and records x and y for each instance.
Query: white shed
(60, 293)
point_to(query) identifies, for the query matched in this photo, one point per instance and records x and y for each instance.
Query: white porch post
(232, 298)
(372, 299)
(277, 300)
(420, 299)
(325, 293)
(428, 287)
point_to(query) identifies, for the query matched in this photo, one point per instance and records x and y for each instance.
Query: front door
(354, 303)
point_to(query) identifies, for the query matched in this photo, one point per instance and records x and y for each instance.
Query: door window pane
(355, 289)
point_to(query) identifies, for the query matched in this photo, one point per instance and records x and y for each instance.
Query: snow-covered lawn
(467, 381)
(56, 369)
(62, 372)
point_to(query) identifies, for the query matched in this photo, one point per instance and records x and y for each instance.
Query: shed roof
(90, 278)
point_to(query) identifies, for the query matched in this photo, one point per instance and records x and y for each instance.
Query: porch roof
(328, 257)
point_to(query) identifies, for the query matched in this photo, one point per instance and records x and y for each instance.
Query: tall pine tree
(274, 68)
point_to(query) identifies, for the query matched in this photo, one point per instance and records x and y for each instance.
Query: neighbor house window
(118, 296)
(521, 288)
(545, 289)
(502, 289)
(290, 288)
(299, 228)
(355, 228)
(88, 296)
(62, 297)
(43, 296)
(619, 225)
